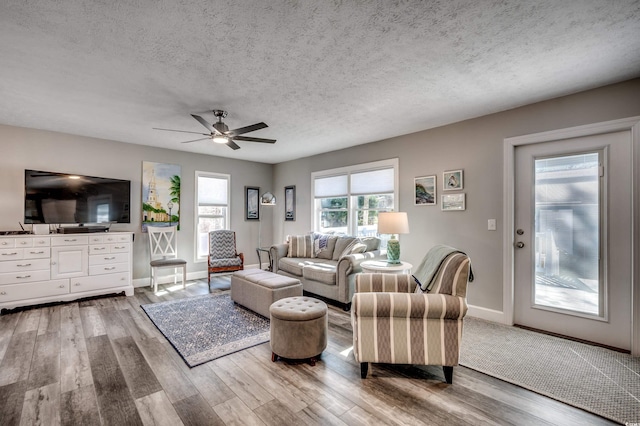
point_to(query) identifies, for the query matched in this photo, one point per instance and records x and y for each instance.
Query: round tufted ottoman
(298, 328)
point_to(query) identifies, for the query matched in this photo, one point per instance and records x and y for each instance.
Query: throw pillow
(324, 245)
(341, 245)
(358, 248)
(372, 243)
(300, 246)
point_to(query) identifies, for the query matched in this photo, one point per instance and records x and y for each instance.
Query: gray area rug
(598, 380)
(207, 327)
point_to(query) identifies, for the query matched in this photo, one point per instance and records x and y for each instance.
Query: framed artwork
(425, 191)
(251, 203)
(290, 202)
(160, 194)
(453, 202)
(452, 180)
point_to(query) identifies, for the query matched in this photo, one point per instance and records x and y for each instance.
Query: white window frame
(197, 216)
(352, 215)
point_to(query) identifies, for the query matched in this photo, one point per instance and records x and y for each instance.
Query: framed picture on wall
(453, 202)
(425, 191)
(290, 202)
(251, 204)
(452, 180)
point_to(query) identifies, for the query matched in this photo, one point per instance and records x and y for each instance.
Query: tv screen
(62, 198)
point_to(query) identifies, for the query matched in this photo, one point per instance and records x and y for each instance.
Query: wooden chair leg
(448, 374)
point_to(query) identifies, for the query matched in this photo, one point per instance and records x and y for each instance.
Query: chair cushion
(168, 262)
(233, 261)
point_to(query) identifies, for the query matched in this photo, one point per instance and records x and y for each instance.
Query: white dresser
(37, 269)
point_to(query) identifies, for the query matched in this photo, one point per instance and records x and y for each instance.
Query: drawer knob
(10, 254)
(53, 263)
(4, 293)
(36, 252)
(77, 284)
(23, 242)
(23, 276)
(110, 269)
(61, 286)
(24, 265)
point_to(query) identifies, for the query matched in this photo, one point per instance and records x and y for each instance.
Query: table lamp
(393, 223)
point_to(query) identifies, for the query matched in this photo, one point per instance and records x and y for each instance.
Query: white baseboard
(166, 279)
(488, 314)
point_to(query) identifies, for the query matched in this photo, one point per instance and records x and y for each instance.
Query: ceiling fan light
(220, 139)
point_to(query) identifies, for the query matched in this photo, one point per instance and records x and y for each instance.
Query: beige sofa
(327, 270)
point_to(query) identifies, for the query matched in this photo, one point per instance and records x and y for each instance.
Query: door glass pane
(567, 239)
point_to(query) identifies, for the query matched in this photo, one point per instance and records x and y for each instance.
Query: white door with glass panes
(573, 238)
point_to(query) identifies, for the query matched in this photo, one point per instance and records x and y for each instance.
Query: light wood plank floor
(104, 362)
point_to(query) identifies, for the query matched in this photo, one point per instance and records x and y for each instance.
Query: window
(212, 208)
(348, 200)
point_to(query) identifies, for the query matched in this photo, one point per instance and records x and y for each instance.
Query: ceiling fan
(220, 133)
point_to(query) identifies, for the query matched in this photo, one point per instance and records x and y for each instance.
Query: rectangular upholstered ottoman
(256, 289)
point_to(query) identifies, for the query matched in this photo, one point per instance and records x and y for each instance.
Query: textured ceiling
(323, 75)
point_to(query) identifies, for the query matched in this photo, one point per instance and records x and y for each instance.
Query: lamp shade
(393, 223)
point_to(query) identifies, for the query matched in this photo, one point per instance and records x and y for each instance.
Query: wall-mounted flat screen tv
(63, 198)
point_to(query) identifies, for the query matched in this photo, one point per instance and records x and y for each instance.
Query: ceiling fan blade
(250, 139)
(181, 131)
(233, 145)
(248, 129)
(205, 123)
(195, 140)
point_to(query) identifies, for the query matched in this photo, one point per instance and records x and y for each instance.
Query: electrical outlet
(491, 224)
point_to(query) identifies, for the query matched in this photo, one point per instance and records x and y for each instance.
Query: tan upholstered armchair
(393, 324)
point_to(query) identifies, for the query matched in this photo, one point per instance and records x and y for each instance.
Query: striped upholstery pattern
(393, 324)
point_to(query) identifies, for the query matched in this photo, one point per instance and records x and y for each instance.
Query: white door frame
(631, 124)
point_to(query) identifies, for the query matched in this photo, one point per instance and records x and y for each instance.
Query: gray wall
(475, 146)
(42, 150)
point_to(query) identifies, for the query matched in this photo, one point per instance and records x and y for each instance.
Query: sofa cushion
(300, 246)
(292, 265)
(358, 248)
(322, 272)
(341, 245)
(324, 245)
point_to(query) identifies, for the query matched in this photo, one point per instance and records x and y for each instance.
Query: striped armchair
(394, 324)
(223, 256)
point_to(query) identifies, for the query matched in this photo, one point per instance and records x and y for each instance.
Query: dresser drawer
(108, 258)
(41, 242)
(24, 277)
(96, 239)
(99, 282)
(7, 243)
(37, 253)
(117, 238)
(24, 242)
(11, 254)
(10, 293)
(99, 249)
(76, 240)
(108, 269)
(119, 248)
(24, 265)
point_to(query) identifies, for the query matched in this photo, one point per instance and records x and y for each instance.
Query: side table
(259, 251)
(382, 267)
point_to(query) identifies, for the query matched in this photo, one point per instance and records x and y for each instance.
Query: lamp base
(393, 252)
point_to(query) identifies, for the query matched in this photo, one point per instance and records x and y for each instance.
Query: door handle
(519, 244)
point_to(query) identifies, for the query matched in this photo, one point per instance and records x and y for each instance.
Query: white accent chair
(163, 250)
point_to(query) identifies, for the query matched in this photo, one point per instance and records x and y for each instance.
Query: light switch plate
(491, 224)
